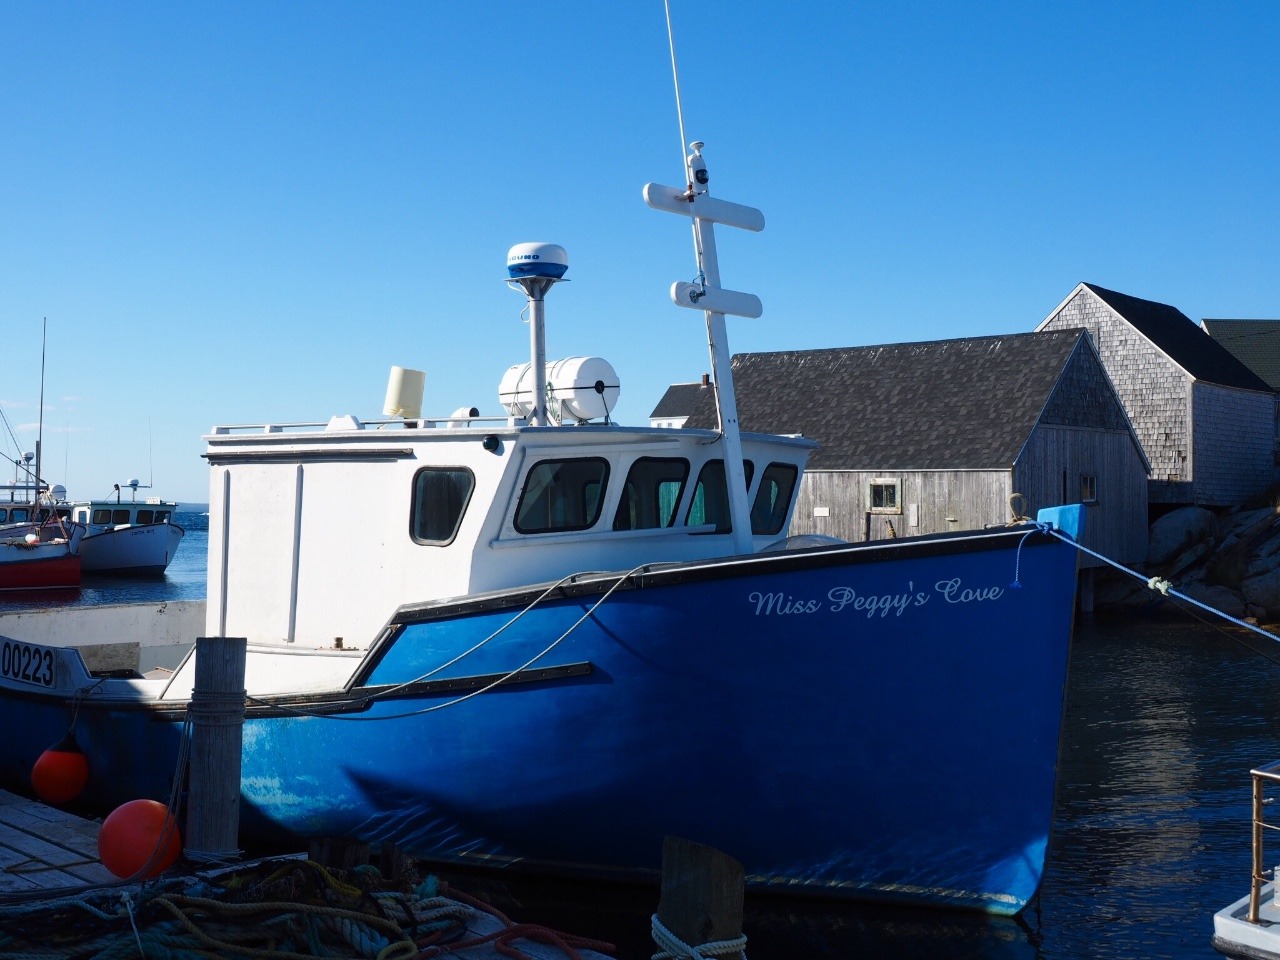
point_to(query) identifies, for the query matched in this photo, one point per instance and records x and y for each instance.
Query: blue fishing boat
(560, 639)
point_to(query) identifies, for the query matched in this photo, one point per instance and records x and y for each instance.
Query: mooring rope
(672, 947)
(384, 694)
(1163, 587)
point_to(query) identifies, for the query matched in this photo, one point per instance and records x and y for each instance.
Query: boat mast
(44, 323)
(706, 294)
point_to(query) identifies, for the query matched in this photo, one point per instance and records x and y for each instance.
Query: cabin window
(1088, 488)
(19, 515)
(440, 497)
(773, 499)
(711, 496)
(562, 495)
(884, 496)
(4, 515)
(146, 516)
(161, 516)
(651, 494)
(119, 516)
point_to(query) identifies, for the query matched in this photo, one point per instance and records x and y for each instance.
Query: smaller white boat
(1250, 927)
(127, 538)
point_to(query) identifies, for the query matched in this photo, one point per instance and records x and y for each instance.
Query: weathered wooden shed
(929, 437)
(1205, 420)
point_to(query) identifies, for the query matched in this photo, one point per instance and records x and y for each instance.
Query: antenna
(675, 75)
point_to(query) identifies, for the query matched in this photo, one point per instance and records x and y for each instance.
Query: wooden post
(217, 721)
(702, 893)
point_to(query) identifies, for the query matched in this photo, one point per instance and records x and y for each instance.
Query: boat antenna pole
(706, 294)
(536, 268)
(44, 324)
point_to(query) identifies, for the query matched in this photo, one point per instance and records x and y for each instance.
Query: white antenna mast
(707, 295)
(675, 75)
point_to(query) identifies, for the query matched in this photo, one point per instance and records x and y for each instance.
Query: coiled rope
(672, 947)
(271, 910)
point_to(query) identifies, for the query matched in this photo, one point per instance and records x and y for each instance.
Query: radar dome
(547, 260)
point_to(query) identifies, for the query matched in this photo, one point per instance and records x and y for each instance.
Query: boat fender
(61, 772)
(139, 839)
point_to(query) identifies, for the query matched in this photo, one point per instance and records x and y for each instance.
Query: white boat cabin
(110, 513)
(452, 507)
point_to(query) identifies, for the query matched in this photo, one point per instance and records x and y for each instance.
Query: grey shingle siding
(1162, 365)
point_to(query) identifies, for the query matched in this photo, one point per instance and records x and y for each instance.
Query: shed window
(562, 495)
(651, 493)
(773, 499)
(1088, 488)
(440, 496)
(711, 496)
(884, 496)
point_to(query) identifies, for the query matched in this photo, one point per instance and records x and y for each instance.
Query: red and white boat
(40, 558)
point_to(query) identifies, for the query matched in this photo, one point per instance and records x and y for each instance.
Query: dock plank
(42, 847)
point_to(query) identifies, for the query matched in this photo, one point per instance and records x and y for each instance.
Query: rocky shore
(1227, 559)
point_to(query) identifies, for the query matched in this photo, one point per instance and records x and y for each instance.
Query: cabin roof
(1181, 340)
(942, 404)
(1255, 343)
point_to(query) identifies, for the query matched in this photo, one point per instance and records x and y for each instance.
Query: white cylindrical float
(404, 393)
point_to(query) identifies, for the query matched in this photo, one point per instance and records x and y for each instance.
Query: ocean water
(1165, 717)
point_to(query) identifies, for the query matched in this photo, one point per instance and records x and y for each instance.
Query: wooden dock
(44, 848)
(49, 857)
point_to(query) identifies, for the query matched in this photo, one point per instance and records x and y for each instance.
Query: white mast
(707, 295)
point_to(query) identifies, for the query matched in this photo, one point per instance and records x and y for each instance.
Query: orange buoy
(61, 772)
(139, 839)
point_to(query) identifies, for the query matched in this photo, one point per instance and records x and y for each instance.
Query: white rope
(1165, 588)
(672, 947)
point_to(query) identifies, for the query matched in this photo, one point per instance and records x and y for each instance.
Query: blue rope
(1017, 559)
(1165, 588)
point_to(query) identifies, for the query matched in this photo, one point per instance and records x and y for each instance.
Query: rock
(1173, 533)
(1191, 555)
(1222, 599)
(1263, 590)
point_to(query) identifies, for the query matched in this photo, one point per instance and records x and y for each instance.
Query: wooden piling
(217, 722)
(702, 893)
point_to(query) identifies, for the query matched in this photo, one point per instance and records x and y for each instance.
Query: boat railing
(352, 423)
(1261, 776)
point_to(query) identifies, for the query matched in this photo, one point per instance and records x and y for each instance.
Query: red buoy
(61, 772)
(138, 834)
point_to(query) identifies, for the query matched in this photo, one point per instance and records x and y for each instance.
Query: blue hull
(873, 721)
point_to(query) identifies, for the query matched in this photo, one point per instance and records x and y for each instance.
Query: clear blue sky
(247, 212)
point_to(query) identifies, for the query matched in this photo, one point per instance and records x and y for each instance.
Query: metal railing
(1269, 772)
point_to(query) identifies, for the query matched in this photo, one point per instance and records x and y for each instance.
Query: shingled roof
(679, 399)
(1181, 340)
(1255, 343)
(940, 405)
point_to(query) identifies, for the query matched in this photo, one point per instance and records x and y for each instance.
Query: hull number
(27, 663)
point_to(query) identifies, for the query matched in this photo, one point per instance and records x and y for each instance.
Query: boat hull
(1236, 936)
(874, 721)
(139, 550)
(44, 566)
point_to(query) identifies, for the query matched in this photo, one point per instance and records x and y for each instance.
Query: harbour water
(1166, 714)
